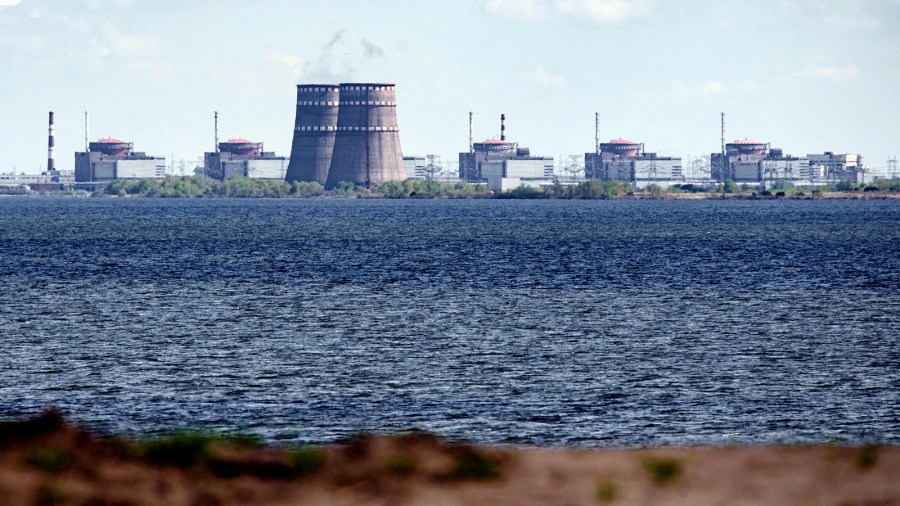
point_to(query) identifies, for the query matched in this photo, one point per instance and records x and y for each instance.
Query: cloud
(9, 3)
(546, 79)
(703, 89)
(127, 45)
(822, 68)
(102, 4)
(606, 11)
(159, 71)
(847, 72)
(528, 9)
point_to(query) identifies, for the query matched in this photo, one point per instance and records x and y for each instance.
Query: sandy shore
(44, 462)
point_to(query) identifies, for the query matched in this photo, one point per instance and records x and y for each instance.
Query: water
(553, 323)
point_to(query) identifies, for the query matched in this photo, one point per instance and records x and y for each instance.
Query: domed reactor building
(109, 159)
(346, 133)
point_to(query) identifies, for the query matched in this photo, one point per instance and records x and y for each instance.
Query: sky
(807, 76)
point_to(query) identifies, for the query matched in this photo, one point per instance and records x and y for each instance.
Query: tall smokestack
(597, 133)
(87, 132)
(217, 132)
(51, 146)
(724, 162)
(503, 127)
(471, 140)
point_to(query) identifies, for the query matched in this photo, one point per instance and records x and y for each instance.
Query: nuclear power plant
(624, 160)
(110, 159)
(242, 157)
(346, 133)
(502, 164)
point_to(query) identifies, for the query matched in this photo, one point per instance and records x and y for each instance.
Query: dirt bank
(44, 462)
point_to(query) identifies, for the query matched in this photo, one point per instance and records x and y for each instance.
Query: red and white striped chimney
(503, 127)
(51, 146)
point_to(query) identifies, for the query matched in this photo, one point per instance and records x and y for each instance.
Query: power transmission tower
(574, 167)
(433, 168)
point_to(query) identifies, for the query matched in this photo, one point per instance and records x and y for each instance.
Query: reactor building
(242, 157)
(751, 162)
(504, 165)
(346, 133)
(624, 160)
(109, 159)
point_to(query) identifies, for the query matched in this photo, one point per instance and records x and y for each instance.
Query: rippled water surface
(561, 323)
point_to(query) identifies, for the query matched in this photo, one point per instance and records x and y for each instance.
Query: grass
(606, 492)
(51, 460)
(473, 466)
(662, 470)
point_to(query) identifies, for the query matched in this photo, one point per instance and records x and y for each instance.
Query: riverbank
(47, 462)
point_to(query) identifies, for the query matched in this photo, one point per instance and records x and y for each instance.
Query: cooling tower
(314, 132)
(367, 144)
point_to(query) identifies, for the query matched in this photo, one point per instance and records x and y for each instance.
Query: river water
(563, 323)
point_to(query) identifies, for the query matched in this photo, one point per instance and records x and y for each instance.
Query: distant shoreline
(51, 462)
(880, 195)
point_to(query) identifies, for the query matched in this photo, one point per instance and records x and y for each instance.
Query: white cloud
(159, 71)
(127, 45)
(847, 72)
(285, 65)
(102, 4)
(9, 3)
(606, 11)
(852, 23)
(822, 68)
(546, 79)
(703, 89)
(528, 9)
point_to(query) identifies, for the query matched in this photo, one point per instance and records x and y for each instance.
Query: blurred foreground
(45, 462)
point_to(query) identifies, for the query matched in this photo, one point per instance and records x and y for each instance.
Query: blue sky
(806, 75)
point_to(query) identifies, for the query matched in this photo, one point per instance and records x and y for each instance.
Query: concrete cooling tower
(367, 144)
(314, 132)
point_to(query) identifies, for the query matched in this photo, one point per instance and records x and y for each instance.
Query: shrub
(662, 470)
(306, 460)
(181, 449)
(606, 492)
(52, 460)
(867, 457)
(402, 465)
(473, 466)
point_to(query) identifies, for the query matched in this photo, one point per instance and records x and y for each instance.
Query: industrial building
(624, 160)
(751, 162)
(833, 167)
(109, 159)
(504, 165)
(242, 157)
(414, 167)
